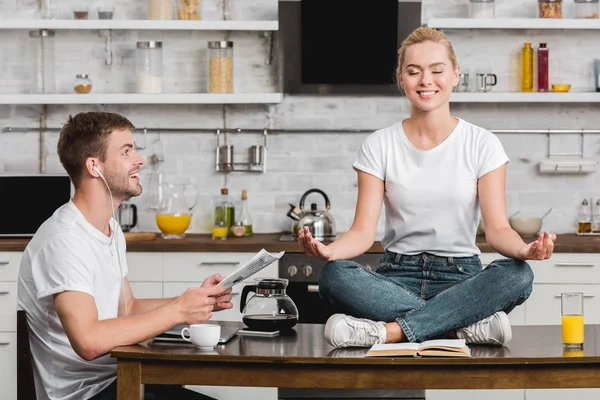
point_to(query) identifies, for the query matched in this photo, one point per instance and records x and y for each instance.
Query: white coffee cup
(203, 336)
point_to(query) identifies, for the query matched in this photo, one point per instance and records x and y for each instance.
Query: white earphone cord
(112, 207)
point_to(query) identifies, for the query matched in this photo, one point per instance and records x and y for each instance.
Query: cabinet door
(8, 307)
(9, 265)
(513, 394)
(236, 392)
(543, 306)
(562, 394)
(147, 290)
(8, 367)
(195, 267)
(145, 267)
(568, 268)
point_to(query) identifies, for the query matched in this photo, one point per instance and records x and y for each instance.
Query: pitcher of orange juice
(175, 214)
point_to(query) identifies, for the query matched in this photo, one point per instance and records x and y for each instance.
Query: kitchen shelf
(512, 23)
(136, 98)
(519, 97)
(117, 24)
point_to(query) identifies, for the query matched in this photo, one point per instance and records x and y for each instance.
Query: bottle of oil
(596, 218)
(527, 68)
(245, 217)
(243, 221)
(585, 218)
(225, 210)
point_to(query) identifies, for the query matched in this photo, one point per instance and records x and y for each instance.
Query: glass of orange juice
(173, 226)
(572, 319)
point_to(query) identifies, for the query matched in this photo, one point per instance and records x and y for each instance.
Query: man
(73, 277)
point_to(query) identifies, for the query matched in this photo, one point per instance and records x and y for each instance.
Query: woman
(434, 172)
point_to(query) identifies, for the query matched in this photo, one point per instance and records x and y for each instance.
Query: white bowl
(526, 226)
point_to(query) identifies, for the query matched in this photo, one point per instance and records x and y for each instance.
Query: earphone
(112, 207)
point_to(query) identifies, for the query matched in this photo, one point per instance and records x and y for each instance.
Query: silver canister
(226, 157)
(256, 155)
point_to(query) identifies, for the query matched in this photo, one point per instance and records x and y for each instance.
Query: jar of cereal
(220, 67)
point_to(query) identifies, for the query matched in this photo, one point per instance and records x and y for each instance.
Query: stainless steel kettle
(320, 222)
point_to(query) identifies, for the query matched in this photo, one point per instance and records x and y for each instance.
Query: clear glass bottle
(243, 222)
(149, 67)
(219, 228)
(482, 8)
(585, 218)
(543, 55)
(596, 218)
(220, 67)
(82, 84)
(527, 68)
(43, 62)
(586, 9)
(225, 211)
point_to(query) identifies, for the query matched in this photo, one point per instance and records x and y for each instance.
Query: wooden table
(533, 360)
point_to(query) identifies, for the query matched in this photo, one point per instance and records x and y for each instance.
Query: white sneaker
(491, 330)
(346, 331)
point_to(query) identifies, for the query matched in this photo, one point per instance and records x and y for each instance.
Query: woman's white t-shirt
(431, 201)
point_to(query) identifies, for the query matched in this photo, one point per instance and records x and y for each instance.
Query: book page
(395, 346)
(261, 260)
(393, 349)
(443, 344)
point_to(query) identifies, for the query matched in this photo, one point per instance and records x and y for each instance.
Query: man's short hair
(86, 135)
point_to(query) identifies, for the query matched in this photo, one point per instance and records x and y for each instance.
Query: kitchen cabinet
(8, 368)
(9, 268)
(236, 393)
(181, 271)
(564, 272)
(513, 394)
(145, 274)
(8, 305)
(562, 394)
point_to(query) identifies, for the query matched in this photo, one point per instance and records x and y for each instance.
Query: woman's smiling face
(428, 75)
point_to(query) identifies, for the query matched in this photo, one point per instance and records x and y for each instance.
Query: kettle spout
(293, 213)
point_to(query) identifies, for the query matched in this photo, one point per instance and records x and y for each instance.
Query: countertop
(565, 243)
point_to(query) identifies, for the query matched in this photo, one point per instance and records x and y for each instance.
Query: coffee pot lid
(271, 284)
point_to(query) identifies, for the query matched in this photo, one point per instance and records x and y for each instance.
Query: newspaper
(258, 262)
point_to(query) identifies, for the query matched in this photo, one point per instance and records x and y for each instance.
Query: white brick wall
(298, 162)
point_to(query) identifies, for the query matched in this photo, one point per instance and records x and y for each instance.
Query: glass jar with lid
(482, 8)
(149, 67)
(82, 83)
(43, 61)
(160, 9)
(586, 8)
(550, 8)
(220, 67)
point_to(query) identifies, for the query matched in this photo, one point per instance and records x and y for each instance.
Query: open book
(261, 260)
(434, 348)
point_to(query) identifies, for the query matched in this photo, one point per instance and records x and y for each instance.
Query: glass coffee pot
(270, 309)
(128, 216)
(174, 213)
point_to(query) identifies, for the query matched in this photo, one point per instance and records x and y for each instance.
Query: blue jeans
(427, 295)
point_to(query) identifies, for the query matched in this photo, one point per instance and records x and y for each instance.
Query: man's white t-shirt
(68, 254)
(431, 201)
